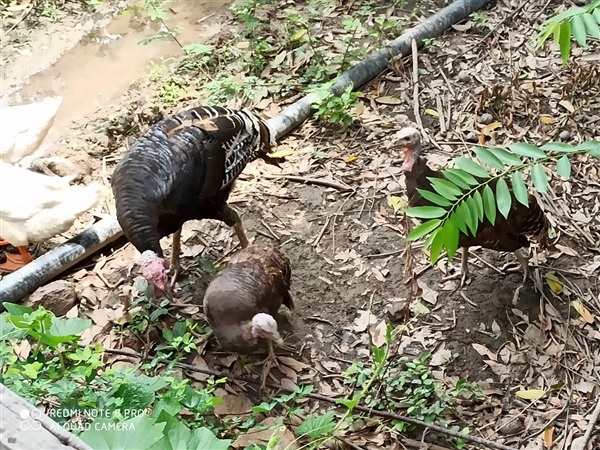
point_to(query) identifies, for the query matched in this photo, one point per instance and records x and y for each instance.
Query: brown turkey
(183, 168)
(506, 234)
(241, 303)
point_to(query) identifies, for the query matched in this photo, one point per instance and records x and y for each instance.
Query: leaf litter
(534, 354)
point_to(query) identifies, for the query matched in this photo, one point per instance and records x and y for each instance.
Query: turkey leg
(464, 268)
(15, 262)
(524, 261)
(175, 267)
(3, 243)
(232, 219)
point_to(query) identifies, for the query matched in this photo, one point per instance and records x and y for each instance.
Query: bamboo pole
(26, 280)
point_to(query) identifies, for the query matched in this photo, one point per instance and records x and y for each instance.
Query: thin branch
(371, 411)
(591, 427)
(307, 180)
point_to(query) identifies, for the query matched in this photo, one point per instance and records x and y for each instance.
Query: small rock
(472, 137)
(393, 187)
(486, 118)
(565, 135)
(58, 297)
(510, 425)
(397, 312)
(463, 76)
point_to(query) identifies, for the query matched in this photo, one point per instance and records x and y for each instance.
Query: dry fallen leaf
(531, 394)
(547, 120)
(378, 334)
(281, 153)
(553, 283)
(583, 311)
(395, 203)
(388, 100)
(549, 437)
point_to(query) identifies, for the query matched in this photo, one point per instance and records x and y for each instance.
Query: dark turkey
(241, 303)
(183, 168)
(506, 234)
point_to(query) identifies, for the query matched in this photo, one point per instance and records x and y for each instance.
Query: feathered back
(257, 279)
(507, 234)
(182, 167)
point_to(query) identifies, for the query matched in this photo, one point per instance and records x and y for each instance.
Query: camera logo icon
(30, 420)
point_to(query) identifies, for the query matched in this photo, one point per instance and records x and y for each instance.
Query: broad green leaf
(538, 176)
(590, 25)
(479, 203)
(578, 30)
(595, 152)
(451, 238)
(506, 157)
(597, 15)
(470, 166)
(434, 198)
(460, 178)
(525, 149)
(487, 157)
(472, 223)
(423, 229)
(589, 146)
(140, 432)
(445, 188)
(437, 246)
(557, 147)
(461, 217)
(563, 166)
(317, 426)
(564, 41)
(425, 212)
(520, 189)
(489, 204)
(503, 197)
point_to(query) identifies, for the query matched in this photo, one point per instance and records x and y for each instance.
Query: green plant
(336, 109)
(479, 19)
(578, 22)
(470, 192)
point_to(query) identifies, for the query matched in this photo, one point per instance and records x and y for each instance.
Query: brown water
(93, 74)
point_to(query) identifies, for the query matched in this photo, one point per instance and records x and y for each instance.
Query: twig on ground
(591, 427)
(374, 412)
(307, 180)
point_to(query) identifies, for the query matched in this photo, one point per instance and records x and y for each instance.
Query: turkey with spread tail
(183, 168)
(508, 234)
(241, 303)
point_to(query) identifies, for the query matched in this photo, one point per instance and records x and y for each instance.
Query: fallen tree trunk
(23, 282)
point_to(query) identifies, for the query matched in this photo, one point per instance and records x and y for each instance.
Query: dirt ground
(347, 247)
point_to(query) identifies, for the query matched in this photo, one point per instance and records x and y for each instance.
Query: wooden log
(24, 427)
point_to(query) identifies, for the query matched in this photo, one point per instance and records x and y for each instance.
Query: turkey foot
(268, 364)
(175, 266)
(464, 270)
(203, 342)
(523, 263)
(15, 262)
(232, 219)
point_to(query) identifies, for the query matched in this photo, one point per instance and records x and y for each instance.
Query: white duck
(24, 127)
(35, 207)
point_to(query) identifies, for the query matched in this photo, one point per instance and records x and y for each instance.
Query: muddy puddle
(100, 68)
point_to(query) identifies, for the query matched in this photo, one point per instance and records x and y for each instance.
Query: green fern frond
(578, 23)
(473, 191)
